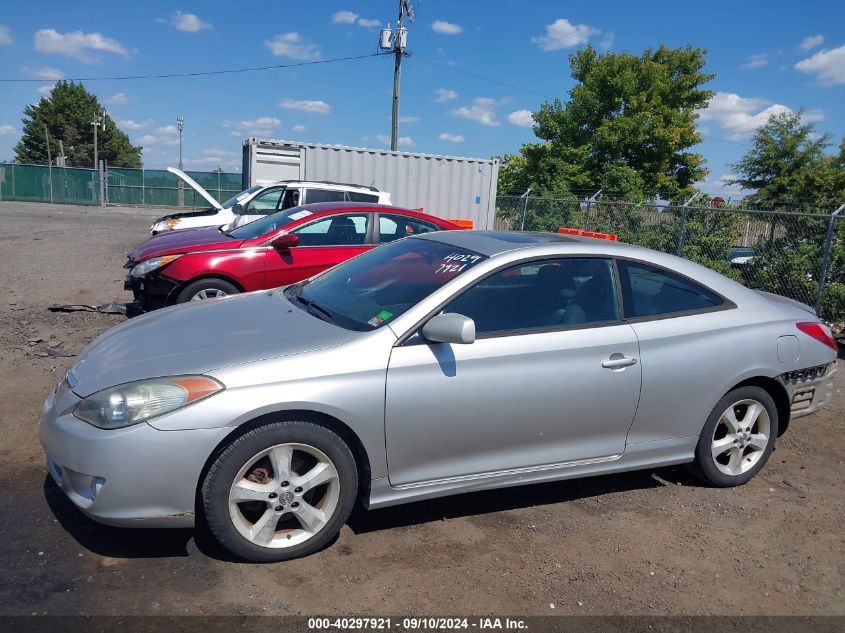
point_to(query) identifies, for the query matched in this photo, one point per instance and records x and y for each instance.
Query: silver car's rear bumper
(809, 389)
(133, 477)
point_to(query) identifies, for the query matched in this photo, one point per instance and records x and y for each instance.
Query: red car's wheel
(210, 288)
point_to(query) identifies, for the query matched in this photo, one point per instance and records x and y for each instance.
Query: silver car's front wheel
(284, 495)
(280, 491)
(737, 438)
(741, 436)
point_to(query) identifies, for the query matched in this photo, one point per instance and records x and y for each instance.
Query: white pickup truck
(261, 200)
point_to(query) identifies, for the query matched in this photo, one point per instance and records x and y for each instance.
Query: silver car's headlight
(145, 268)
(136, 402)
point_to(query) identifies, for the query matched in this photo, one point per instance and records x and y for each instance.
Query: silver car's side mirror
(449, 328)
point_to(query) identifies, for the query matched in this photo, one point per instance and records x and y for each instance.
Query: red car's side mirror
(286, 240)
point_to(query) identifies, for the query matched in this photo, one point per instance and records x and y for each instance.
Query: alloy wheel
(741, 436)
(284, 495)
(208, 293)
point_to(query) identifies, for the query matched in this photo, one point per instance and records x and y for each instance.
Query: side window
(648, 291)
(339, 230)
(265, 202)
(354, 196)
(323, 195)
(544, 294)
(392, 227)
(290, 199)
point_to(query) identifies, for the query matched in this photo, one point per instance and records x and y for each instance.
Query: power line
(201, 73)
(482, 77)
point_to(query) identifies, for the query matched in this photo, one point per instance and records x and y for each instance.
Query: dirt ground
(652, 542)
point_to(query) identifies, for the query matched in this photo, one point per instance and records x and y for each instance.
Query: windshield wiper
(317, 310)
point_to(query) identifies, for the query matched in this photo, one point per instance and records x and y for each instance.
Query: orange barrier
(601, 236)
(464, 224)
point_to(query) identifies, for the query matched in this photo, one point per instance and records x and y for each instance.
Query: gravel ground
(651, 542)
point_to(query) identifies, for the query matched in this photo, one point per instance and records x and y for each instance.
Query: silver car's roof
(491, 243)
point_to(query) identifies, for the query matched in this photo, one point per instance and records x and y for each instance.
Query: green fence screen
(126, 186)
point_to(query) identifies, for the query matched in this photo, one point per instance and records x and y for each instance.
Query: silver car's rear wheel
(737, 438)
(741, 436)
(280, 490)
(284, 495)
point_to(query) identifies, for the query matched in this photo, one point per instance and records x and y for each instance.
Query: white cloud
(260, 126)
(5, 34)
(446, 28)
(740, 116)
(563, 34)
(131, 124)
(349, 17)
(482, 111)
(45, 89)
(188, 22)
(444, 95)
(607, 41)
(402, 141)
(827, 65)
(811, 41)
(757, 60)
(49, 74)
(118, 98)
(212, 158)
(344, 17)
(76, 44)
(521, 118)
(452, 138)
(299, 128)
(314, 106)
(294, 46)
(167, 129)
(409, 119)
(153, 139)
(7, 129)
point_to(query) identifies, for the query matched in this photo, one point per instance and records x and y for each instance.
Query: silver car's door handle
(616, 363)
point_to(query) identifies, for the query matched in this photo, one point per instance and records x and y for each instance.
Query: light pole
(99, 120)
(397, 41)
(180, 124)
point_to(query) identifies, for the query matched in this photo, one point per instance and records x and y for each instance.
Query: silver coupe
(434, 365)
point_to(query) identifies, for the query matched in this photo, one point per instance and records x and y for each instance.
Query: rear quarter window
(651, 291)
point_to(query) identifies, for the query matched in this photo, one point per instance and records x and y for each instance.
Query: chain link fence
(126, 186)
(796, 254)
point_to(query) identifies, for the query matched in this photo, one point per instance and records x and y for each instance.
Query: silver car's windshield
(371, 290)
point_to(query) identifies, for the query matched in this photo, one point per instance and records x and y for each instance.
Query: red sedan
(277, 250)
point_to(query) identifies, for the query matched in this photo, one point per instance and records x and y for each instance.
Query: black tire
(220, 478)
(208, 284)
(705, 466)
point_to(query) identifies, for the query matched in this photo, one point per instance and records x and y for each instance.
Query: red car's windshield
(372, 289)
(270, 223)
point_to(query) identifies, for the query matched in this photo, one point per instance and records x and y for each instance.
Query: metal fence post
(828, 244)
(589, 202)
(682, 228)
(102, 171)
(524, 208)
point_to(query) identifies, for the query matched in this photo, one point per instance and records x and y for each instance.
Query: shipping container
(444, 186)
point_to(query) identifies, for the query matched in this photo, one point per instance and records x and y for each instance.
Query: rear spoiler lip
(792, 302)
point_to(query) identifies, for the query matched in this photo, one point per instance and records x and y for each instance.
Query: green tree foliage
(67, 112)
(789, 170)
(627, 127)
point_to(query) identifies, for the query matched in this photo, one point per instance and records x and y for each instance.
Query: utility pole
(49, 163)
(99, 120)
(180, 124)
(400, 41)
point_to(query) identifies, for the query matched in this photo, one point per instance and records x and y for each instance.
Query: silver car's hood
(200, 336)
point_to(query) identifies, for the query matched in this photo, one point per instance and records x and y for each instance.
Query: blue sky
(475, 69)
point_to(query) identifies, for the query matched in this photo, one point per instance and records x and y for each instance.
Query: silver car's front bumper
(133, 477)
(809, 389)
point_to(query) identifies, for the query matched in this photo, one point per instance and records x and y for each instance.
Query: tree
(781, 165)
(627, 126)
(68, 112)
